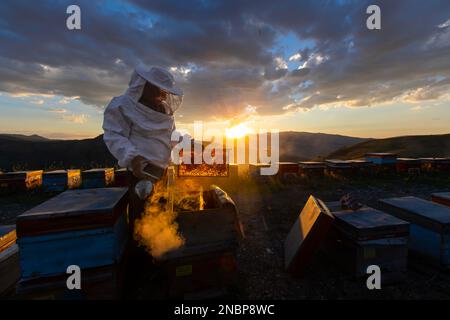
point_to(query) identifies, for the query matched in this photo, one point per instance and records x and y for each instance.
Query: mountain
(19, 152)
(297, 146)
(22, 137)
(407, 146)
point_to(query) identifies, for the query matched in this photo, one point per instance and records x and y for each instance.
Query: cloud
(38, 102)
(76, 118)
(226, 54)
(58, 110)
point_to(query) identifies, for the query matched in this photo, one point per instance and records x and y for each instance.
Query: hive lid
(338, 163)
(443, 195)
(55, 171)
(381, 154)
(98, 170)
(74, 210)
(306, 235)
(422, 212)
(368, 223)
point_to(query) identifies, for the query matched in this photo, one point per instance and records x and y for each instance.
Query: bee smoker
(153, 174)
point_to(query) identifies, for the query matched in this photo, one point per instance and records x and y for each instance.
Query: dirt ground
(267, 211)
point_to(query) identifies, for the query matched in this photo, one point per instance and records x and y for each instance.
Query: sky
(287, 65)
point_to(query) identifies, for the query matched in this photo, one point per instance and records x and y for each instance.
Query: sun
(237, 131)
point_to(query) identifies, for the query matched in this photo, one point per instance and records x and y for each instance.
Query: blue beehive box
(60, 180)
(87, 228)
(382, 158)
(429, 226)
(97, 178)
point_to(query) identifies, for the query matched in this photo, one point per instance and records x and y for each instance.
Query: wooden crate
(20, 180)
(306, 235)
(441, 198)
(207, 259)
(60, 180)
(97, 178)
(429, 226)
(370, 237)
(9, 260)
(87, 228)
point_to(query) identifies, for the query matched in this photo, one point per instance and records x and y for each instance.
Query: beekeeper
(138, 126)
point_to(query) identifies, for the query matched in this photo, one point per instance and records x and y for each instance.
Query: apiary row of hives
(374, 164)
(60, 180)
(356, 239)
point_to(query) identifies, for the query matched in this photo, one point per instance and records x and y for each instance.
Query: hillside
(297, 146)
(407, 146)
(33, 152)
(18, 154)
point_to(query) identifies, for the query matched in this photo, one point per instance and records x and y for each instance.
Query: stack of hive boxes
(207, 261)
(429, 234)
(85, 228)
(370, 237)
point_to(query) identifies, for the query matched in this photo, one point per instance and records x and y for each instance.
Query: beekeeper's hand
(137, 165)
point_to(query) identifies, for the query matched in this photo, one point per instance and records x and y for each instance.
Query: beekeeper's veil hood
(159, 77)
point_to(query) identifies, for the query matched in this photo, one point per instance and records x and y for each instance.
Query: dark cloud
(226, 52)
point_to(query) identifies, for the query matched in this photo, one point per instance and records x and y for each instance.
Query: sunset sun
(237, 131)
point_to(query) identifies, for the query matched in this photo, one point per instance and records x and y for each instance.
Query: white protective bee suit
(132, 129)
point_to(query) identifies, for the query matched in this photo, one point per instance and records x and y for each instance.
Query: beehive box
(254, 172)
(408, 165)
(20, 180)
(98, 178)
(311, 169)
(339, 168)
(429, 226)
(287, 170)
(9, 260)
(101, 283)
(441, 198)
(121, 177)
(435, 165)
(60, 180)
(306, 235)
(362, 167)
(370, 237)
(87, 228)
(207, 259)
(382, 158)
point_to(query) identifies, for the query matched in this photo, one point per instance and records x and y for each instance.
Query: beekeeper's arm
(116, 135)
